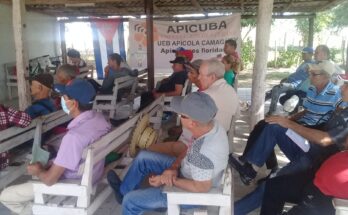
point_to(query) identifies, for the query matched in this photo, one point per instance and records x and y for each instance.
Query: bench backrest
(15, 136)
(109, 102)
(114, 140)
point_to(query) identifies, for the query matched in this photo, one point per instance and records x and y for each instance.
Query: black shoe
(115, 183)
(246, 171)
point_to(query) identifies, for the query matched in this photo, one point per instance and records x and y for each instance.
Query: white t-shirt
(207, 156)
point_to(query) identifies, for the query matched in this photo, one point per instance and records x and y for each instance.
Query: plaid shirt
(10, 117)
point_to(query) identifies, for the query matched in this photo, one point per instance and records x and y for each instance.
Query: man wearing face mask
(86, 127)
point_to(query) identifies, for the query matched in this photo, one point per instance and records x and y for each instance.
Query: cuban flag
(107, 39)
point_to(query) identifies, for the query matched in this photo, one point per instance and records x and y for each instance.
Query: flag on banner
(206, 39)
(107, 39)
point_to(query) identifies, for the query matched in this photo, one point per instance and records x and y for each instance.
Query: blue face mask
(63, 104)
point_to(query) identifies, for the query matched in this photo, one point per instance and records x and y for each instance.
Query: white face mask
(63, 104)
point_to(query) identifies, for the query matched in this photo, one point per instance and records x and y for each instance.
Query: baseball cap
(308, 50)
(342, 79)
(180, 60)
(198, 106)
(78, 89)
(45, 79)
(326, 66)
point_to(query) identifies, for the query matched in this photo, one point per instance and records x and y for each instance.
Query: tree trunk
(263, 29)
(22, 63)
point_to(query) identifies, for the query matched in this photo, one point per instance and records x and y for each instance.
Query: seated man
(75, 60)
(323, 97)
(211, 77)
(313, 197)
(81, 133)
(40, 89)
(322, 144)
(197, 167)
(65, 74)
(114, 70)
(292, 81)
(171, 86)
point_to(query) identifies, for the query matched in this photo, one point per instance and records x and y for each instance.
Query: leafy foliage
(340, 15)
(248, 52)
(286, 58)
(321, 21)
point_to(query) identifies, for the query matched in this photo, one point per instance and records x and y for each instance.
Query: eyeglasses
(314, 74)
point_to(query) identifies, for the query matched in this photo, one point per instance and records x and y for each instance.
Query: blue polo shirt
(41, 107)
(318, 105)
(300, 74)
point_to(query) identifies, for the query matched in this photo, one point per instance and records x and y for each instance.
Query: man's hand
(282, 121)
(106, 71)
(35, 169)
(168, 176)
(155, 180)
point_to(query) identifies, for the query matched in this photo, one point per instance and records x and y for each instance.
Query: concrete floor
(110, 207)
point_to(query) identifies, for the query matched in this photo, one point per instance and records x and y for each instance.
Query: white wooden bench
(11, 78)
(81, 196)
(110, 103)
(221, 196)
(15, 136)
(341, 206)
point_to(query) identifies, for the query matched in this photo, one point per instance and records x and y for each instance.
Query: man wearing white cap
(197, 168)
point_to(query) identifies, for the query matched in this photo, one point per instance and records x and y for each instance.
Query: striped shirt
(318, 105)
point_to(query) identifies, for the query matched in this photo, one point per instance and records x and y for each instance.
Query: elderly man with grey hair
(197, 167)
(211, 77)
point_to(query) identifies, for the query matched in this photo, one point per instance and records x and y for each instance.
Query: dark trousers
(146, 99)
(284, 188)
(271, 161)
(314, 202)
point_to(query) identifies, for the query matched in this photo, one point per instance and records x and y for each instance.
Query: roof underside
(168, 8)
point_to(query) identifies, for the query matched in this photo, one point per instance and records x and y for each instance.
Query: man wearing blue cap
(197, 168)
(292, 82)
(86, 127)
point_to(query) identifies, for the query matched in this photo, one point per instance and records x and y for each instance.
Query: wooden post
(150, 44)
(62, 42)
(263, 29)
(347, 60)
(310, 31)
(22, 63)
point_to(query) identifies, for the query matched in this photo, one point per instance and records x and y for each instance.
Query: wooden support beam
(310, 31)
(242, 6)
(263, 30)
(63, 42)
(22, 62)
(150, 44)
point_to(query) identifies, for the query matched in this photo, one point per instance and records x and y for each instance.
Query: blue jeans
(250, 202)
(272, 135)
(135, 200)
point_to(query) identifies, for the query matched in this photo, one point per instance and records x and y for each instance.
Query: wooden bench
(81, 196)
(221, 196)
(15, 136)
(110, 103)
(341, 206)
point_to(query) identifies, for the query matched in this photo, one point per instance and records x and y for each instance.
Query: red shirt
(332, 177)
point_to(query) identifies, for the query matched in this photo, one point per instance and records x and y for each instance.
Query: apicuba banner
(206, 38)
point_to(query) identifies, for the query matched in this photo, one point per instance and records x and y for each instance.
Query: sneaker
(115, 183)
(246, 171)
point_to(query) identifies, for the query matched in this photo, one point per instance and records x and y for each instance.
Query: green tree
(340, 16)
(322, 21)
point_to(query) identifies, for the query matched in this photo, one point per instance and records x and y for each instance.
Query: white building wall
(42, 36)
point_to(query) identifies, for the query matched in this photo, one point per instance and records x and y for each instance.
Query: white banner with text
(206, 38)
